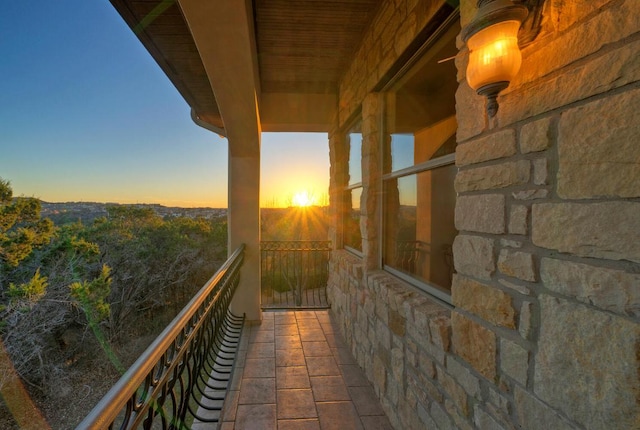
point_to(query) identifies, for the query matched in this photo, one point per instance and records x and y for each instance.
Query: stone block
(485, 301)
(483, 213)
(440, 416)
(497, 399)
(508, 243)
(501, 144)
(474, 256)
(518, 216)
(525, 327)
(514, 361)
(440, 329)
(535, 136)
(379, 374)
(534, 194)
(587, 365)
(459, 421)
(484, 421)
(608, 230)
(454, 391)
(492, 177)
(427, 366)
(470, 115)
(610, 25)
(597, 75)
(515, 287)
(596, 161)
(540, 171)
(517, 264)
(397, 323)
(464, 377)
(564, 14)
(475, 344)
(609, 289)
(535, 415)
(397, 365)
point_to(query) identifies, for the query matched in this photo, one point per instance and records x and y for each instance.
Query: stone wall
(545, 327)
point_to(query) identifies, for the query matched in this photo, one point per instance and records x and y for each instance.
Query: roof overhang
(283, 58)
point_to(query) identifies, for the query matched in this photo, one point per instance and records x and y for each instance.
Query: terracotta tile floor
(294, 372)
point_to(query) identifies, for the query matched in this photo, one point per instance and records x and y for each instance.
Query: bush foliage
(73, 293)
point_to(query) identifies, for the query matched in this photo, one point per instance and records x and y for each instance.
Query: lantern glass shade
(494, 55)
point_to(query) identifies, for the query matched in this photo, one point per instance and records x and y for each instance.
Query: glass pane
(419, 225)
(419, 119)
(352, 236)
(355, 156)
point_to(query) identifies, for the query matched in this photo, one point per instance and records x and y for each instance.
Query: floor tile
(329, 389)
(300, 424)
(305, 315)
(288, 342)
(294, 371)
(292, 357)
(252, 417)
(286, 329)
(285, 318)
(260, 368)
(316, 349)
(322, 366)
(262, 336)
(296, 404)
(311, 335)
(257, 390)
(338, 416)
(261, 350)
(292, 377)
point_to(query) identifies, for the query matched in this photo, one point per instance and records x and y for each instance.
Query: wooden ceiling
(303, 46)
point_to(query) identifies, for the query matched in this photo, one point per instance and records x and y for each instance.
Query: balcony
(208, 369)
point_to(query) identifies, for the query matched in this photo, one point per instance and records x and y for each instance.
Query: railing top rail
(107, 410)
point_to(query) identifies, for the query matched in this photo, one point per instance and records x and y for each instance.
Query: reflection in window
(419, 170)
(419, 224)
(355, 154)
(351, 235)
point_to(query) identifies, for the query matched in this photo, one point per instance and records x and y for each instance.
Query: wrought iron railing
(408, 254)
(294, 274)
(181, 379)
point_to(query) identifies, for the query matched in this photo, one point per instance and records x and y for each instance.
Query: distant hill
(68, 212)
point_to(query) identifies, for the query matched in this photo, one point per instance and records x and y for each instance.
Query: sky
(87, 115)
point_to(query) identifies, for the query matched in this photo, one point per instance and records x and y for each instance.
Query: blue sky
(87, 115)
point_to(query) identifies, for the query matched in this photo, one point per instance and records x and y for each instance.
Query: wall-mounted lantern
(494, 54)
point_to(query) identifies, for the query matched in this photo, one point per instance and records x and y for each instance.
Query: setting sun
(303, 199)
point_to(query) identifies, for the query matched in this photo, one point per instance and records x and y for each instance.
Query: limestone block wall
(545, 327)
(548, 209)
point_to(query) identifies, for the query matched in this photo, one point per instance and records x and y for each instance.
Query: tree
(21, 228)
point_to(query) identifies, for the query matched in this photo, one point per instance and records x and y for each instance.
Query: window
(352, 236)
(418, 167)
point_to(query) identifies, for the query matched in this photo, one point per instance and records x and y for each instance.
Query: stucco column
(223, 33)
(244, 227)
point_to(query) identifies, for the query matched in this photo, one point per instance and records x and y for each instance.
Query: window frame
(349, 187)
(438, 293)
